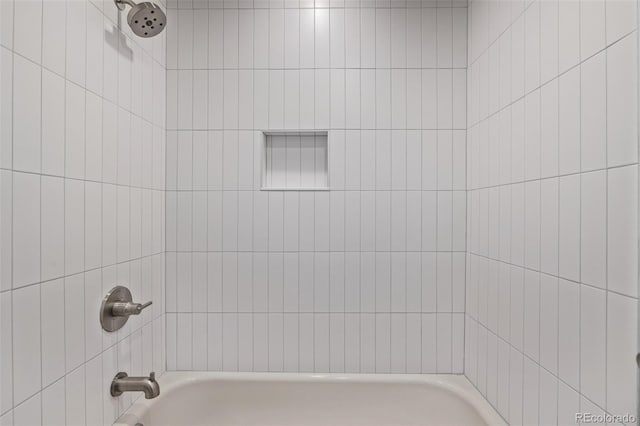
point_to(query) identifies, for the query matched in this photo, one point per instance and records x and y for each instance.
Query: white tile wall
(536, 303)
(82, 179)
(551, 314)
(368, 277)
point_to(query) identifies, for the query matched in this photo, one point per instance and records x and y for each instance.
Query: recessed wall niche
(295, 160)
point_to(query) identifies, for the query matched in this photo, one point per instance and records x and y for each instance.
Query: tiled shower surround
(551, 313)
(82, 160)
(366, 277)
(481, 217)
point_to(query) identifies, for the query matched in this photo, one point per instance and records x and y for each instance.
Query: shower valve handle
(117, 306)
(124, 309)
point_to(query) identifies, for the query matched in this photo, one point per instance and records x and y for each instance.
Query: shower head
(146, 19)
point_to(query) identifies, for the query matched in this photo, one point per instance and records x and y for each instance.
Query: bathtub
(208, 398)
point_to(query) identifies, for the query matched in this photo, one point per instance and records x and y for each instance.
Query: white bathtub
(206, 398)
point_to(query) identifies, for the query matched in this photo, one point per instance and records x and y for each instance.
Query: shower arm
(120, 4)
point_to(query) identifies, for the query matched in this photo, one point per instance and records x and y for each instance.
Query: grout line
(437, 181)
(637, 194)
(580, 219)
(606, 189)
(513, 101)
(40, 215)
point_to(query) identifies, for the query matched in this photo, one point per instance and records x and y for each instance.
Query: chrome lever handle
(146, 305)
(124, 309)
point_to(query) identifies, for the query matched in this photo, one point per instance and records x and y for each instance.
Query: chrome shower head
(146, 19)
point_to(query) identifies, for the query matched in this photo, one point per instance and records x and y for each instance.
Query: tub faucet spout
(123, 383)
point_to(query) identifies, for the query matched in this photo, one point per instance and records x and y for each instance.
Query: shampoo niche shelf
(295, 160)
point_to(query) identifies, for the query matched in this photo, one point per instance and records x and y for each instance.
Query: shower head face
(146, 19)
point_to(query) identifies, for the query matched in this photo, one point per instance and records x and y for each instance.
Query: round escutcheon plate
(108, 321)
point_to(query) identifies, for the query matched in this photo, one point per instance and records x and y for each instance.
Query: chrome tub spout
(123, 383)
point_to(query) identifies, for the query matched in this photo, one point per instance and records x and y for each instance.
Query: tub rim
(458, 384)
